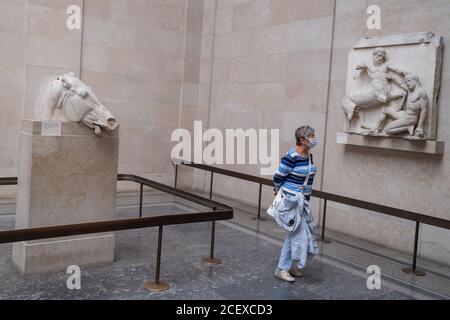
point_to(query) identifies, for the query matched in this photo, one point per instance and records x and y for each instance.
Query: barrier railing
(218, 211)
(395, 212)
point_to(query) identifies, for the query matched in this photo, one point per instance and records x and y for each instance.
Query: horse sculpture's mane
(45, 101)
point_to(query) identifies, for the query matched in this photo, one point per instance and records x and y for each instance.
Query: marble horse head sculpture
(66, 98)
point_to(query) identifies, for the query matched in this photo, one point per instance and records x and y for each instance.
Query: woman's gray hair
(303, 132)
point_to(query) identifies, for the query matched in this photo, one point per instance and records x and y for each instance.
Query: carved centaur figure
(379, 92)
(66, 98)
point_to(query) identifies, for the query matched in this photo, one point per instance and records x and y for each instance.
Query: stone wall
(161, 64)
(130, 52)
(133, 55)
(13, 61)
(413, 182)
(32, 49)
(272, 70)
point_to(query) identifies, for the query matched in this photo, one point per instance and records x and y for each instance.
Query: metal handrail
(58, 231)
(418, 218)
(9, 181)
(217, 211)
(176, 192)
(395, 212)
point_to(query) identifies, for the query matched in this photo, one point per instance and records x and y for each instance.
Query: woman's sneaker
(284, 275)
(296, 273)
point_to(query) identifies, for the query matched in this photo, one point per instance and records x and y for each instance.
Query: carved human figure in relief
(379, 91)
(66, 98)
(411, 120)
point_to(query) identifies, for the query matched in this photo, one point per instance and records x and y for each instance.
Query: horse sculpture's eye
(57, 78)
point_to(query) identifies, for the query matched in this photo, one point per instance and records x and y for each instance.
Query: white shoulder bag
(278, 198)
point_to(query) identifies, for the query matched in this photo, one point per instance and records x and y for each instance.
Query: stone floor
(249, 249)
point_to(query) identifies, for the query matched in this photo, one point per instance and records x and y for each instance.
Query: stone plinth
(418, 146)
(68, 177)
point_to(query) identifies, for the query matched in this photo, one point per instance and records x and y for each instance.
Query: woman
(295, 177)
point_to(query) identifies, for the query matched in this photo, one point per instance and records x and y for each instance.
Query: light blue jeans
(285, 262)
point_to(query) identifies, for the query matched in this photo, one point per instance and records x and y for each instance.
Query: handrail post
(324, 218)
(258, 217)
(211, 260)
(158, 286)
(211, 186)
(413, 270)
(141, 195)
(213, 239)
(176, 176)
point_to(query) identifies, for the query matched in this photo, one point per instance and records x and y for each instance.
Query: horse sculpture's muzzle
(109, 126)
(100, 119)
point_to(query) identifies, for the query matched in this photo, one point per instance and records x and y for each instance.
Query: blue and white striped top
(292, 172)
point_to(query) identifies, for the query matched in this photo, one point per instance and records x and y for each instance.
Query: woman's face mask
(312, 143)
